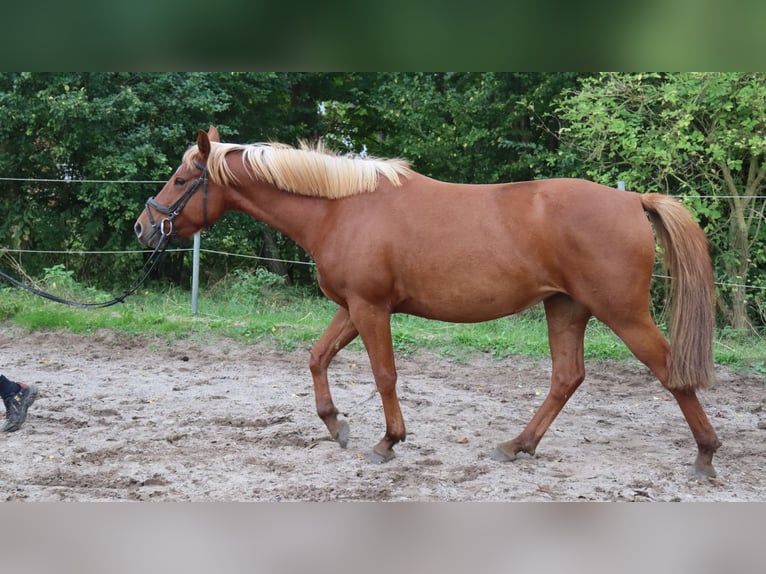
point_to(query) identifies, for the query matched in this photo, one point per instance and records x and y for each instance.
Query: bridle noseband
(165, 225)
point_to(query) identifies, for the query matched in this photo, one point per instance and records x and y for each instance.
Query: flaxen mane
(310, 170)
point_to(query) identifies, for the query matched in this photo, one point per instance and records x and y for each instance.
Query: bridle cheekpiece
(165, 225)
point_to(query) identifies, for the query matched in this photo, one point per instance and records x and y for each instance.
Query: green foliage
(9, 306)
(59, 276)
(687, 134)
(115, 127)
(252, 288)
(461, 127)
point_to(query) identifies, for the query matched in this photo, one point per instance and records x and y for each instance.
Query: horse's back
(476, 252)
(549, 219)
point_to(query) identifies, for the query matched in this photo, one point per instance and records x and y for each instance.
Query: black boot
(16, 407)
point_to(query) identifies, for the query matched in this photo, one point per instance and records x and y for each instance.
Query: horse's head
(184, 205)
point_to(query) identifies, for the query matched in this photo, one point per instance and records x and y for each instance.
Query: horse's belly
(470, 304)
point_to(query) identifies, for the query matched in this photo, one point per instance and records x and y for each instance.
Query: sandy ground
(121, 417)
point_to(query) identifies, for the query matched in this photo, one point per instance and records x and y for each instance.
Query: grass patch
(259, 308)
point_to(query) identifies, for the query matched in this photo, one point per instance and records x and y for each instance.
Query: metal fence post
(195, 272)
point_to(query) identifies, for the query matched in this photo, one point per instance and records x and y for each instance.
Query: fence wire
(4, 250)
(311, 263)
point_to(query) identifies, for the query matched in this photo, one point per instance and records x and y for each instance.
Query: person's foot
(16, 407)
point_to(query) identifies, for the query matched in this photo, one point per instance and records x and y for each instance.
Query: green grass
(255, 308)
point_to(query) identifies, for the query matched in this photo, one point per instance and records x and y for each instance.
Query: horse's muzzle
(147, 236)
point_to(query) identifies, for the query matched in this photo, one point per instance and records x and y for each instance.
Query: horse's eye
(180, 181)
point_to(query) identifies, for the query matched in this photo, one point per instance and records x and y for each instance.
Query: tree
(112, 126)
(462, 127)
(688, 134)
(466, 127)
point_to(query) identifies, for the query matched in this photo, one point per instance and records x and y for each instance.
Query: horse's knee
(385, 381)
(317, 362)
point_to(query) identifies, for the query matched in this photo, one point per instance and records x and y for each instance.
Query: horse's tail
(692, 293)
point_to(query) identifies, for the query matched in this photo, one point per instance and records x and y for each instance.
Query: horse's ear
(213, 135)
(203, 145)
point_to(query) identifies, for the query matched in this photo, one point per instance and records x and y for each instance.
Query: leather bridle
(165, 225)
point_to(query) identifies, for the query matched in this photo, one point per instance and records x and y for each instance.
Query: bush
(247, 287)
(9, 306)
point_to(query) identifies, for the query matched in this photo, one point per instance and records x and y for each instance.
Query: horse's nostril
(139, 229)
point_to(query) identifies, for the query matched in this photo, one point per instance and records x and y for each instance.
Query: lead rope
(148, 267)
(166, 231)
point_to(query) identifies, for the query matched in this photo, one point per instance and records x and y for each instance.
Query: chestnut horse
(386, 240)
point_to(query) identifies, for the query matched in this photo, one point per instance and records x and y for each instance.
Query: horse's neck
(297, 216)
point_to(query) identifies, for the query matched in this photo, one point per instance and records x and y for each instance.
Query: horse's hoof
(704, 471)
(502, 456)
(341, 436)
(378, 458)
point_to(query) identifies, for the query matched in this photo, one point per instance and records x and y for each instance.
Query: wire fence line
(51, 180)
(5, 250)
(160, 182)
(311, 263)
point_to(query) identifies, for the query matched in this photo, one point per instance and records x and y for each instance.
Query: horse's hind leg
(339, 334)
(704, 435)
(647, 343)
(567, 320)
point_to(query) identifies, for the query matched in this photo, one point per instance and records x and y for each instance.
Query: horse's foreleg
(339, 334)
(374, 326)
(567, 320)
